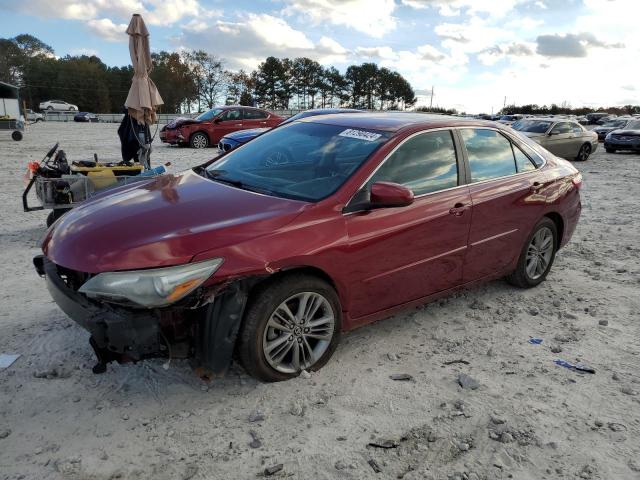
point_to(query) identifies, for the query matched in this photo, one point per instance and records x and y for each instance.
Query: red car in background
(209, 127)
(272, 261)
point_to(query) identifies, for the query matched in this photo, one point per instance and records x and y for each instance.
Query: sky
(473, 53)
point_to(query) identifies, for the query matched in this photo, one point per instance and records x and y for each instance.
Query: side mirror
(217, 120)
(387, 194)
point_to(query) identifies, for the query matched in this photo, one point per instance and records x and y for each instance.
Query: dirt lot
(527, 419)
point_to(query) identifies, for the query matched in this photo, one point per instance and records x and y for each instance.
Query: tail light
(577, 180)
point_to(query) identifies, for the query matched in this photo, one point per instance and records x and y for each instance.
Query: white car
(34, 116)
(58, 105)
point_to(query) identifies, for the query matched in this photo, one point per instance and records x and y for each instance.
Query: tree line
(197, 80)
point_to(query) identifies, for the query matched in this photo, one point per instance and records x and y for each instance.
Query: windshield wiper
(217, 175)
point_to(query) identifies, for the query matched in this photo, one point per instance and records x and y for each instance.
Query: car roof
(394, 121)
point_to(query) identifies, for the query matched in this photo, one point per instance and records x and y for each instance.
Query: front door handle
(458, 209)
(535, 188)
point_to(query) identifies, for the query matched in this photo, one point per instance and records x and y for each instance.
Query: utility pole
(431, 103)
(505, 102)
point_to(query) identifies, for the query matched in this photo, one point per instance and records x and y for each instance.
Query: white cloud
(373, 17)
(108, 30)
(246, 43)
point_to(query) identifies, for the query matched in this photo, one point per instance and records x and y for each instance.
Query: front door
(227, 122)
(401, 254)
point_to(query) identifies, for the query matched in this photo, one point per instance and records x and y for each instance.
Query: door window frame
(462, 161)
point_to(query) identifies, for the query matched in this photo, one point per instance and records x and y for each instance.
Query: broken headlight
(157, 287)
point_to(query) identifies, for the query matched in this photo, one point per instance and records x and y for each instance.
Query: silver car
(564, 138)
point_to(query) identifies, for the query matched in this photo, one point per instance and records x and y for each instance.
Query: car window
(231, 115)
(425, 163)
(575, 128)
(523, 162)
(250, 114)
(302, 160)
(490, 154)
(562, 127)
(534, 126)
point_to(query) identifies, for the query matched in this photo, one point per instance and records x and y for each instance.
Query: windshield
(507, 118)
(635, 125)
(533, 126)
(209, 115)
(616, 123)
(302, 160)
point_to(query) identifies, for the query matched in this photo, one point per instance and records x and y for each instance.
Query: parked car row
(625, 138)
(58, 105)
(564, 138)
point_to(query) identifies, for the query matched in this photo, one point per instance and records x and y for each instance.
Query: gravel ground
(518, 415)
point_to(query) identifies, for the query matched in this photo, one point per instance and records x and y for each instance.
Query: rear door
(401, 254)
(254, 118)
(507, 196)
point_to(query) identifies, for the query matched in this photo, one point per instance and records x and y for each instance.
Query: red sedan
(272, 261)
(208, 128)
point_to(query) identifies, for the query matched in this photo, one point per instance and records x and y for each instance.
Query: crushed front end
(202, 326)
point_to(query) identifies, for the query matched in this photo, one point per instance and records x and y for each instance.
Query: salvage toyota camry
(269, 263)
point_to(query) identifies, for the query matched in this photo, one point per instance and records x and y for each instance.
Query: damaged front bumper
(204, 331)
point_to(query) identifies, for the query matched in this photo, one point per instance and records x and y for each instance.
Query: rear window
(250, 114)
(490, 154)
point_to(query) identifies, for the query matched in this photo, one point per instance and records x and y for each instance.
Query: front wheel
(291, 324)
(16, 135)
(199, 140)
(584, 153)
(537, 255)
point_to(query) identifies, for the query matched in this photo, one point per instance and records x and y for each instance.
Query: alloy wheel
(199, 141)
(298, 332)
(539, 253)
(584, 153)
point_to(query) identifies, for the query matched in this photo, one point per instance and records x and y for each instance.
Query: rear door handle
(458, 209)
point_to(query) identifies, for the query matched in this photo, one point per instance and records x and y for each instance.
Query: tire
(72, 109)
(49, 108)
(256, 332)
(521, 276)
(16, 135)
(38, 120)
(610, 150)
(584, 152)
(199, 140)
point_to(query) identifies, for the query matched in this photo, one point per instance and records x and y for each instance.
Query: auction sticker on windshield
(360, 134)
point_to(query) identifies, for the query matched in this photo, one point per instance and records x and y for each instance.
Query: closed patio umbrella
(143, 98)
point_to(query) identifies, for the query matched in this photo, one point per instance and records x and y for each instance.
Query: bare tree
(209, 75)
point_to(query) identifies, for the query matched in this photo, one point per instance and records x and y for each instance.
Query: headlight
(152, 288)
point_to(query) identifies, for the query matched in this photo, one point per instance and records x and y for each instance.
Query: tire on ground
(519, 277)
(262, 303)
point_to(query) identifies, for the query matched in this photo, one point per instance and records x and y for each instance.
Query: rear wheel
(537, 255)
(290, 325)
(584, 152)
(199, 140)
(16, 135)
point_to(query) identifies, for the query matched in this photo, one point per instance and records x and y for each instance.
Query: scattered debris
(273, 469)
(603, 322)
(374, 465)
(535, 341)
(255, 442)
(466, 382)
(384, 444)
(577, 367)
(401, 377)
(555, 349)
(451, 362)
(256, 416)
(7, 359)
(5, 432)
(629, 391)
(616, 427)
(304, 374)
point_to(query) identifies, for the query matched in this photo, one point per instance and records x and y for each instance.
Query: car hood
(178, 122)
(163, 222)
(623, 131)
(246, 135)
